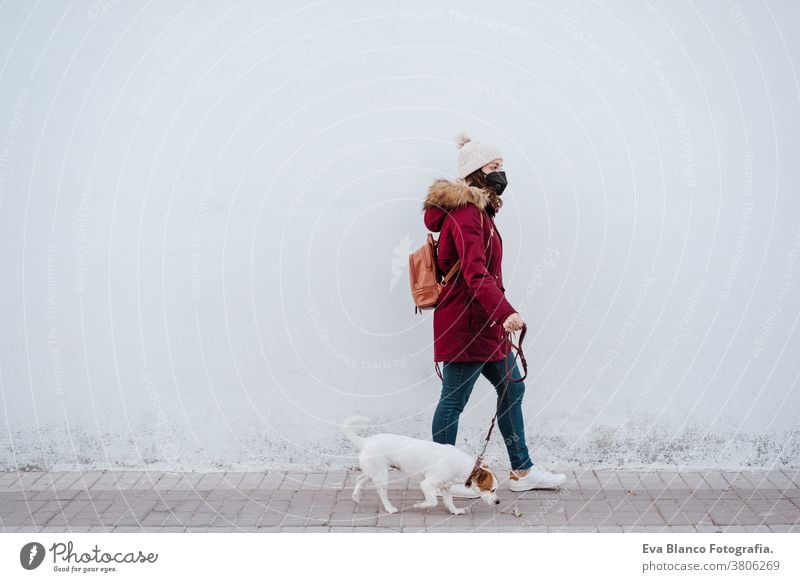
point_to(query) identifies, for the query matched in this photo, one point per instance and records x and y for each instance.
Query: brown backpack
(426, 277)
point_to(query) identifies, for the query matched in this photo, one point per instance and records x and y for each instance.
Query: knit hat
(473, 155)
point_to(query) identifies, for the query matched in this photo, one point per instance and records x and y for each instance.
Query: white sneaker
(460, 491)
(534, 478)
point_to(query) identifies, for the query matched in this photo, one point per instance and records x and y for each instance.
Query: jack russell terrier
(441, 465)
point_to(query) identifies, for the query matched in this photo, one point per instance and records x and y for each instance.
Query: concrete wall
(206, 211)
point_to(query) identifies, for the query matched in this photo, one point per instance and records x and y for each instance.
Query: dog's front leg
(429, 489)
(447, 497)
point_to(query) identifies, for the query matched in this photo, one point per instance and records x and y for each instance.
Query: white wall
(206, 211)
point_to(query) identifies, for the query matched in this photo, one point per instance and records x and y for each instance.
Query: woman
(473, 315)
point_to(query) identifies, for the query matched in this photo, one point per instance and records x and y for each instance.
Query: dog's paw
(459, 512)
(392, 510)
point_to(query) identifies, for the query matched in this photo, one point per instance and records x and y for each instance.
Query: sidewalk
(280, 501)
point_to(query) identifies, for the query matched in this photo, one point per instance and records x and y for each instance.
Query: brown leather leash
(509, 335)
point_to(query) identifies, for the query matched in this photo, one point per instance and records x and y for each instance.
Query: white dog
(442, 466)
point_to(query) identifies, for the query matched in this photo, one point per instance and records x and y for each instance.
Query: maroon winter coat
(468, 320)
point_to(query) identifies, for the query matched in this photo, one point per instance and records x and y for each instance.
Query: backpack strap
(451, 272)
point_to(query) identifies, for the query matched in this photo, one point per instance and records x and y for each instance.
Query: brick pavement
(288, 501)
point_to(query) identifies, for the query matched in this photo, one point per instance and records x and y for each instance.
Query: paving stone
(646, 528)
(784, 528)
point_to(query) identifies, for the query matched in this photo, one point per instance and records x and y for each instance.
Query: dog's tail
(348, 430)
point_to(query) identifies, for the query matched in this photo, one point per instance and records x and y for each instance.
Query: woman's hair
(478, 179)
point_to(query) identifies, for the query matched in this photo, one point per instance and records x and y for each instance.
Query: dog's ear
(484, 479)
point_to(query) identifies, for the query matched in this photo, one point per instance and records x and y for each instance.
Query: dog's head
(484, 482)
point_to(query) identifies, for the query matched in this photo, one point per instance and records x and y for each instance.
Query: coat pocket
(478, 318)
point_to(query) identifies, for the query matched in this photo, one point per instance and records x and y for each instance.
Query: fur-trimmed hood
(445, 195)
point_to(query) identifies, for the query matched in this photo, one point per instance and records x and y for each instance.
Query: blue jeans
(459, 379)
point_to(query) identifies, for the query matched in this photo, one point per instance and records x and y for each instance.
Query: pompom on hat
(473, 155)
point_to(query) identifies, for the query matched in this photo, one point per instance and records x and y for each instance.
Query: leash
(521, 355)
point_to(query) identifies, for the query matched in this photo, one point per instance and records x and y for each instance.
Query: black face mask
(497, 181)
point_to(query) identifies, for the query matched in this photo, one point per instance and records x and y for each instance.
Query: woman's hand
(513, 322)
